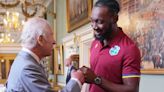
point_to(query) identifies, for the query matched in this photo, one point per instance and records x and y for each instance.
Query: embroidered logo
(114, 50)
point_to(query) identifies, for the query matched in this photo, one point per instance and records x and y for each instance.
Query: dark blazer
(69, 73)
(27, 75)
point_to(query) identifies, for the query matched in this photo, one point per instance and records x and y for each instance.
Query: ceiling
(28, 8)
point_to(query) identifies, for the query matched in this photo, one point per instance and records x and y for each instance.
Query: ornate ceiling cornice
(25, 11)
(29, 9)
(10, 5)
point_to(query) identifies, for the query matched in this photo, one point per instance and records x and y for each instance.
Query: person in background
(69, 64)
(115, 59)
(27, 73)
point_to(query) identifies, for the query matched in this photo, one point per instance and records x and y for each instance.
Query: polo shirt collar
(116, 38)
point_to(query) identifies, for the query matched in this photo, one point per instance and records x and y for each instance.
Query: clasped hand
(89, 75)
(84, 74)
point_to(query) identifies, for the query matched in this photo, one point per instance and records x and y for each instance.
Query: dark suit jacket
(27, 75)
(69, 73)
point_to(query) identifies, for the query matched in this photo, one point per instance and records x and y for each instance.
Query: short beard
(104, 36)
(99, 37)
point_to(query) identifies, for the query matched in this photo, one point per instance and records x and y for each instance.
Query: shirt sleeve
(72, 86)
(79, 83)
(131, 63)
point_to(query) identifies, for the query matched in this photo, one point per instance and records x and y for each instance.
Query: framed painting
(144, 23)
(6, 61)
(75, 60)
(78, 12)
(58, 56)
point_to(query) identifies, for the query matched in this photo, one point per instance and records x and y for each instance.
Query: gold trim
(152, 71)
(58, 58)
(77, 20)
(25, 13)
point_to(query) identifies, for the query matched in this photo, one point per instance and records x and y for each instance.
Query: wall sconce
(75, 47)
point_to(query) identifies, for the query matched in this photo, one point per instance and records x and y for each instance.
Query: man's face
(49, 43)
(101, 22)
(68, 62)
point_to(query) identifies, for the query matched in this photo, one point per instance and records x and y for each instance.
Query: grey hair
(32, 29)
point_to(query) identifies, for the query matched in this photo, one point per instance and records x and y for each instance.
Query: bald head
(32, 29)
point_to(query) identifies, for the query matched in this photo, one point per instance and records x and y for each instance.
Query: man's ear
(40, 40)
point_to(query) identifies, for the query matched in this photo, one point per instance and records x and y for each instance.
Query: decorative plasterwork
(10, 48)
(28, 8)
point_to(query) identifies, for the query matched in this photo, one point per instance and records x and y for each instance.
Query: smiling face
(101, 22)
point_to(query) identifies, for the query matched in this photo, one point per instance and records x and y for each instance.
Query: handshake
(84, 74)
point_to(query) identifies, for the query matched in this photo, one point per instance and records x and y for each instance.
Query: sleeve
(72, 86)
(34, 80)
(131, 63)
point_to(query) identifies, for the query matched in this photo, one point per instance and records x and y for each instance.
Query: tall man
(115, 59)
(27, 73)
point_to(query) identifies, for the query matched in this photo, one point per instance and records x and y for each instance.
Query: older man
(27, 74)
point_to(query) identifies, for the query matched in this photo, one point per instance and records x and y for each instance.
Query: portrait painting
(143, 21)
(78, 13)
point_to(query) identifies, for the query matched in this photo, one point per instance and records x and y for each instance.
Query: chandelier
(11, 25)
(6, 38)
(11, 21)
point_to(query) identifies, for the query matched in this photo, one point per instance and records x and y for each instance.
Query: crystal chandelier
(12, 25)
(6, 38)
(11, 22)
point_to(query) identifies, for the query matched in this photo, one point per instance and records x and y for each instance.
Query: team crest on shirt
(114, 50)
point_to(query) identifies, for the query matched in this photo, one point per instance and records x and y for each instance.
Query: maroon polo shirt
(120, 59)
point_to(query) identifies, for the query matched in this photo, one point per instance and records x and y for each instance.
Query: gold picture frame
(78, 12)
(58, 58)
(152, 71)
(143, 22)
(6, 61)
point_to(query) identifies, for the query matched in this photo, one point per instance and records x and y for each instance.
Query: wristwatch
(98, 80)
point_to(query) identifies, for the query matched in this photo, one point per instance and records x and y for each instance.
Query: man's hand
(89, 75)
(78, 75)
